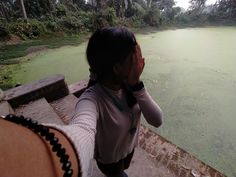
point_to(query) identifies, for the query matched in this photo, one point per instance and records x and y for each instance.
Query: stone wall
(177, 160)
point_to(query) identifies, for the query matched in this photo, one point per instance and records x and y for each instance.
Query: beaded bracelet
(48, 136)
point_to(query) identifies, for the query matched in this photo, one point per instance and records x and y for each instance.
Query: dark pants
(113, 169)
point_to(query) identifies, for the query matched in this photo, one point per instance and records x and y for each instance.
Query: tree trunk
(23, 9)
(149, 3)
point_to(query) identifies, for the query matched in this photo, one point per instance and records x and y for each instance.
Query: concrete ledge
(52, 88)
(78, 88)
(177, 160)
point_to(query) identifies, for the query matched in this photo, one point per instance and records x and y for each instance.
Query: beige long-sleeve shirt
(100, 126)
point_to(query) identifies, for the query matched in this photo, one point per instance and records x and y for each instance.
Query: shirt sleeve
(150, 109)
(81, 132)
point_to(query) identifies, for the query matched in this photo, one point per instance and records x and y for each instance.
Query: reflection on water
(190, 73)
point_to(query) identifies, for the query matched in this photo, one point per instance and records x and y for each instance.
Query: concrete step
(39, 110)
(5, 108)
(142, 165)
(52, 88)
(65, 107)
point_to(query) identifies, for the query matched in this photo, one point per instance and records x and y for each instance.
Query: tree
(101, 4)
(142, 3)
(227, 8)
(80, 3)
(152, 16)
(164, 4)
(197, 4)
(39, 8)
(22, 5)
(7, 9)
(119, 6)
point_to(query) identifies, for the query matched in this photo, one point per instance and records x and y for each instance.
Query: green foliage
(31, 29)
(135, 15)
(76, 16)
(4, 32)
(182, 18)
(20, 50)
(227, 9)
(87, 19)
(6, 78)
(164, 4)
(197, 4)
(52, 25)
(71, 24)
(37, 8)
(137, 22)
(105, 17)
(135, 10)
(61, 10)
(168, 15)
(152, 16)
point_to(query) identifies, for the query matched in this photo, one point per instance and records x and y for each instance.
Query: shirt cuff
(137, 87)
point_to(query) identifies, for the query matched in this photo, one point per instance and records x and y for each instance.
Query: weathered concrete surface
(5, 108)
(52, 88)
(78, 88)
(175, 159)
(142, 165)
(39, 110)
(65, 107)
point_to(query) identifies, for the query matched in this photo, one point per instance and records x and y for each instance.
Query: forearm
(83, 143)
(149, 108)
(25, 153)
(81, 132)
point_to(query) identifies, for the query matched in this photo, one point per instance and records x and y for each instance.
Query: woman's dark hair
(108, 46)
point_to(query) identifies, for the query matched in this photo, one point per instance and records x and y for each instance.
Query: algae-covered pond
(190, 72)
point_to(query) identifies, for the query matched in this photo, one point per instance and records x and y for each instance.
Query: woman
(107, 118)
(115, 98)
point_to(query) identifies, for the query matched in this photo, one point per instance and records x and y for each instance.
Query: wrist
(137, 86)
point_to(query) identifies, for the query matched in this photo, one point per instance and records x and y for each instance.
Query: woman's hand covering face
(137, 65)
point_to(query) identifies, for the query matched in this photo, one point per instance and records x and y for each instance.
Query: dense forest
(30, 19)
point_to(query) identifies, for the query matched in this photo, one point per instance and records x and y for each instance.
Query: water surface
(190, 72)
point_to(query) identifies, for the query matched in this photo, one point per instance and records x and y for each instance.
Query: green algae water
(69, 61)
(191, 73)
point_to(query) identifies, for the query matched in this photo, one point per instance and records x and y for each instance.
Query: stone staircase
(50, 100)
(41, 110)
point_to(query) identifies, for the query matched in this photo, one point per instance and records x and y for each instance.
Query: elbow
(158, 121)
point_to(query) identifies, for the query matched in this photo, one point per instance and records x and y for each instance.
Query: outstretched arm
(25, 153)
(81, 131)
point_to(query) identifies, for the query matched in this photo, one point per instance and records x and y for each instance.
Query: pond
(190, 72)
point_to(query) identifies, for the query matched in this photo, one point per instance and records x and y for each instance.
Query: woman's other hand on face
(137, 65)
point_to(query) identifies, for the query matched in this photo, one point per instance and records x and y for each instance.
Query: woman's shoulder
(92, 93)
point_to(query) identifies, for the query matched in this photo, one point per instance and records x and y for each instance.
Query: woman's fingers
(139, 51)
(137, 66)
(143, 63)
(140, 59)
